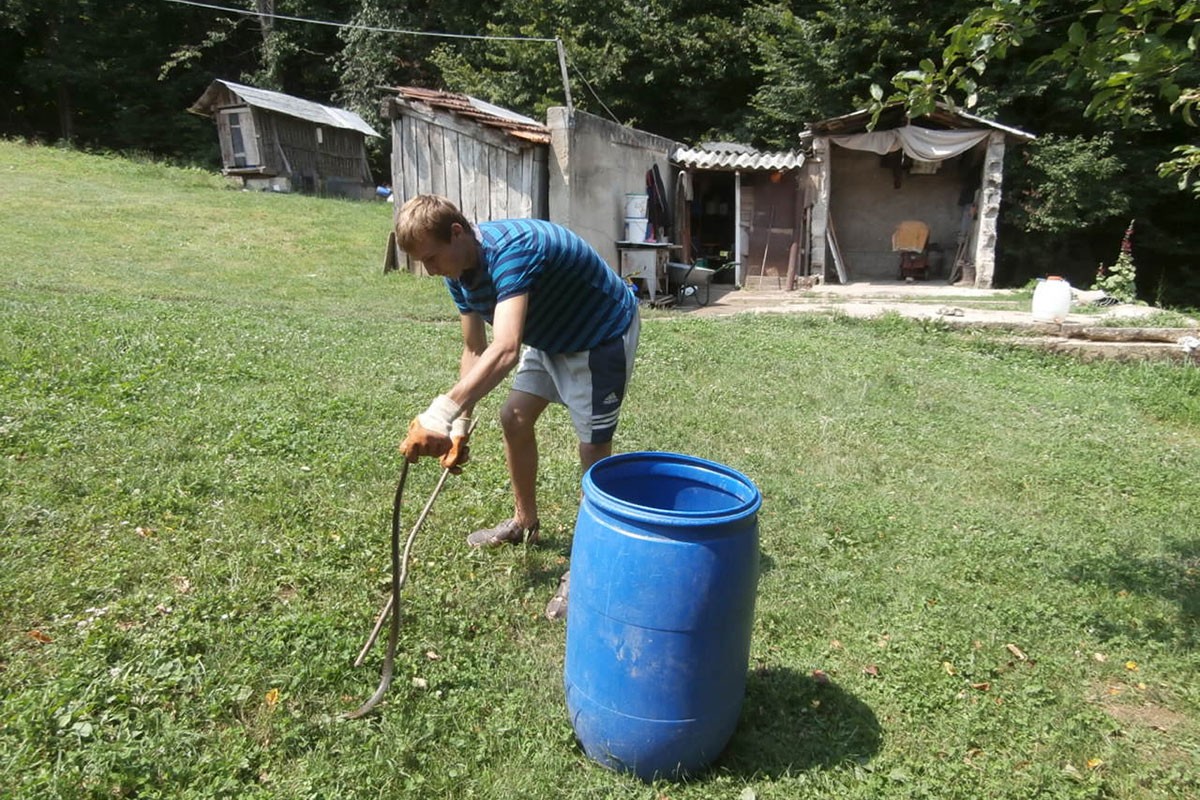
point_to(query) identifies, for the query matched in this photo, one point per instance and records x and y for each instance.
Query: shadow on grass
(1174, 577)
(792, 723)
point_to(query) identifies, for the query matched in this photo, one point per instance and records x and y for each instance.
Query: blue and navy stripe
(575, 300)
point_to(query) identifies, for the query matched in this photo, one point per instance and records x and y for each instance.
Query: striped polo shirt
(575, 300)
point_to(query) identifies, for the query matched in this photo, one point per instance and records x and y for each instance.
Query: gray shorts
(590, 383)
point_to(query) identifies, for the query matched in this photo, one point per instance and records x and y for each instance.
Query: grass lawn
(980, 565)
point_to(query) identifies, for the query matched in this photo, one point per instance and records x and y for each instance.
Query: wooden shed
(277, 142)
(491, 162)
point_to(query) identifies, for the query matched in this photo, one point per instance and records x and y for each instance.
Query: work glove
(429, 432)
(459, 452)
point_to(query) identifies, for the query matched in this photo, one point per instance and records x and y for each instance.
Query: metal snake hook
(391, 609)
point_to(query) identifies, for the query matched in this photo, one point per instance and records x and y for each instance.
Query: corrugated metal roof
(286, 104)
(943, 116)
(731, 156)
(493, 116)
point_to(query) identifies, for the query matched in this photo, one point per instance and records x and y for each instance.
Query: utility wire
(556, 41)
(579, 75)
(247, 12)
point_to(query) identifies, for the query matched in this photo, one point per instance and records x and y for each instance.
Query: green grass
(201, 391)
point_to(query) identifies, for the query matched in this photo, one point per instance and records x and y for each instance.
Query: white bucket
(637, 229)
(1051, 300)
(636, 206)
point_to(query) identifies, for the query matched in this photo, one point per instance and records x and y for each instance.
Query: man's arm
(474, 333)
(484, 365)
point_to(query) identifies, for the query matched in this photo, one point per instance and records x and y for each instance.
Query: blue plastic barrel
(664, 570)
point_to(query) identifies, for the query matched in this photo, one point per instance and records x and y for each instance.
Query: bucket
(1051, 300)
(664, 570)
(637, 205)
(637, 229)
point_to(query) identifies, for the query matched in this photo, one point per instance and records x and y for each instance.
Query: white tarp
(920, 144)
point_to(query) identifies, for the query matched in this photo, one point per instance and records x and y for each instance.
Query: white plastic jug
(1051, 299)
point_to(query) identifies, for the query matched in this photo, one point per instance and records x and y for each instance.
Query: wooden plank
(794, 250)
(498, 201)
(541, 184)
(831, 237)
(528, 182)
(411, 176)
(390, 261)
(453, 169)
(468, 165)
(516, 186)
(437, 160)
(424, 178)
(483, 183)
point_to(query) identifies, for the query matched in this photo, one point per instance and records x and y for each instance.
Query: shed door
(239, 142)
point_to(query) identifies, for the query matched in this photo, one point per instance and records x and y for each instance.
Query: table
(645, 261)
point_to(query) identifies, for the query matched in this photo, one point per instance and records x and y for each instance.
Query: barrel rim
(616, 505)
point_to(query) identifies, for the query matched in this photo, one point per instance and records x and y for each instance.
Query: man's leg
(517, 418)
(591, 453)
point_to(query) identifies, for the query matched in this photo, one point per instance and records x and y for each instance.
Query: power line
(247, 12)
(562, 55)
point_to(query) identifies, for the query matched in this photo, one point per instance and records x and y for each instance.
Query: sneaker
(557, 607)
(507, 532)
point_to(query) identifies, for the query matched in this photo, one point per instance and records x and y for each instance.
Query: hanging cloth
(919, 144)
(660, 220)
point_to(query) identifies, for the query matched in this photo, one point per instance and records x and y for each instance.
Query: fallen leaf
(1100, 657)
(820, 677)
(420, 683)
(1131, 666)
(872, 670)
(271, 697)
(143, 531)
(432, 655)
(1016, 651)
(835, 644)
(1092, 763)
(983, 687)
(182, 584)
(39, 637)
(948, 667)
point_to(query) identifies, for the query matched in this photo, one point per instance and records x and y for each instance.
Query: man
(559, 315)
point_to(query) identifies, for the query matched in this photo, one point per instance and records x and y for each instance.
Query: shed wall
(331, 164)
(487, 174)
(596, 162)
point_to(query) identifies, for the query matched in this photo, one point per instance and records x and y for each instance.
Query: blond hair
(427, 215)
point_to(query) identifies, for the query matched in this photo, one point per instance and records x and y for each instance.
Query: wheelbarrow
(692, 280)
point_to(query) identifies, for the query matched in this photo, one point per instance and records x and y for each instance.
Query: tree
(1137, 58)
(673, 67)
(86, 72)
(818, 59)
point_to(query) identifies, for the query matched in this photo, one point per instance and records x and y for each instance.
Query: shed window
(237, 129)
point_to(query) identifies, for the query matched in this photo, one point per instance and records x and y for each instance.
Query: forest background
(1109, 88)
